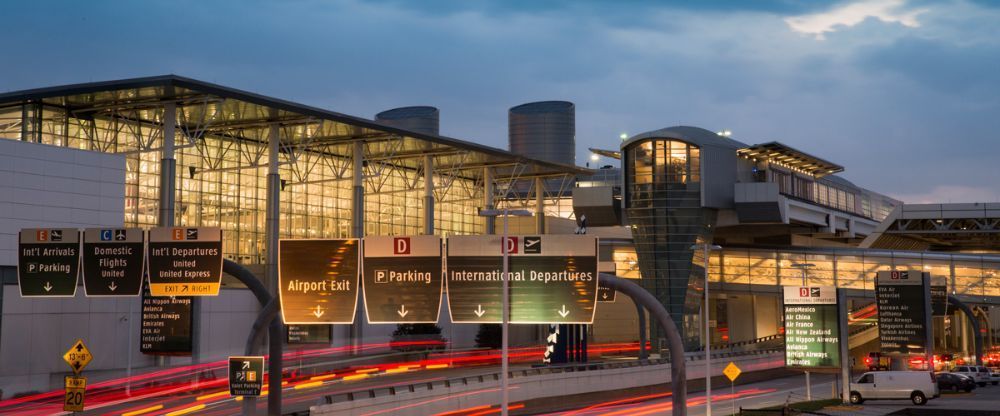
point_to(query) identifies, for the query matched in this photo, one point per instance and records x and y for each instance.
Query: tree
(406, 333)
(489, 336)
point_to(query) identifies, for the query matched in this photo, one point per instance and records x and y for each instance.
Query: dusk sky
(904, 93)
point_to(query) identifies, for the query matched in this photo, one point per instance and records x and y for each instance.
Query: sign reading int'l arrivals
(113, 261)
(902, 298)
(48, 262)
(246, 376)
(812, 330)
(553, 278)
(185, 261)
(402, 279)
(318, 280)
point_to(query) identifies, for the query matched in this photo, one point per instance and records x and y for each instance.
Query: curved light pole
(805, 273)
(505, 298)
(708, 342)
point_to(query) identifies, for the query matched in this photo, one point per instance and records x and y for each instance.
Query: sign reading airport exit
(402, 279)
(553, 278)
(113, 261)
(812, 327)
(318, 280)
(185, 261)
(48, 262)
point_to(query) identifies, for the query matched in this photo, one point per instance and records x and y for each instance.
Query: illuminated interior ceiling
(205, 108)
(784, 155)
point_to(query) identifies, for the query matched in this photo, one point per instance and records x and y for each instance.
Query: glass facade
(663, 202)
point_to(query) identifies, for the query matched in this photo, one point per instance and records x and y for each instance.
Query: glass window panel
(763, 267)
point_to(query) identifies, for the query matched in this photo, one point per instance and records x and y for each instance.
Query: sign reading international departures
(318, 280)
(113, 261)
(901, 297)
(812, 331)
(553, 278)
(48, 262)
(185, 261)
(402, 279)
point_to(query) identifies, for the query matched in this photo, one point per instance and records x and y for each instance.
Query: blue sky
(903, 93)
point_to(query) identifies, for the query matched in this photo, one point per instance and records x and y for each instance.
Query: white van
(918, 386)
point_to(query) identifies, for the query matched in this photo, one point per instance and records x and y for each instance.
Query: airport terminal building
(170, 150)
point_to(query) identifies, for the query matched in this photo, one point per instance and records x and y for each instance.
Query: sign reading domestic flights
(246, 376)
(812, 329)
(185, 261)
(166, 325)
(113, 261)
(901, 298)
(78, 356)
(553, 278)
(319, 280)
(76, 387)
(309, 334)
(402, 279)
(606, 294)
(48, 262)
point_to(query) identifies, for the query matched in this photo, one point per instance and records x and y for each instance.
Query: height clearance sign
(318, 280)
(812, 330)
(185, 261)
(553, 278)
(48, 262)
(402, 279)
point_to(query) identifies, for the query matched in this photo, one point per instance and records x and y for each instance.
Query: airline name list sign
(552, 278)
(901, 297)
(319, 280)
(812, 330)
(402, 279)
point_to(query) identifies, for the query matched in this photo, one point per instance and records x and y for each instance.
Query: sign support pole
(168, 167)
(505, 315)
(357, 226)
(845, 358)
(271, 222)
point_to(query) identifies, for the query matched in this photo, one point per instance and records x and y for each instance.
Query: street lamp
(708, 342)
(805, 270)
(505, 298)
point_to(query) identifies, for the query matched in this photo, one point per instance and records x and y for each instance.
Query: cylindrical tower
(544, 130)
(423, 119)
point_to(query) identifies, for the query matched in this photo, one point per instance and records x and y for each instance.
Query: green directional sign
(552, 278)
(48, 262)
(402, 279)
(318, 280)
(812, 327)
(113, 261)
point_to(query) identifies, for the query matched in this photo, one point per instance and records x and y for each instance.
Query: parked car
(918, 386)
(995, 376)
(988, 375)
(955, 382)
(982, 378)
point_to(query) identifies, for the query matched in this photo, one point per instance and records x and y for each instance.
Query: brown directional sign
(78, 356)
(318, 280)
(166, 325)
(48, 262)
(606, 294)
(402, 279)
(553, 278)
(246, 376)
(309, 334)
(113, 261)
(185, 261)
(76, 387)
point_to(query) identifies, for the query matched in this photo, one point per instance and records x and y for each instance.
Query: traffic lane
(752, 395)
(981, 399)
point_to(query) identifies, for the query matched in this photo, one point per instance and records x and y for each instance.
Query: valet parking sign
(812, 330)
(402, 279)
(553, 278)
(185, 261)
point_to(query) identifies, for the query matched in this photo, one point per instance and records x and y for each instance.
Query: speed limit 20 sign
(76, 386)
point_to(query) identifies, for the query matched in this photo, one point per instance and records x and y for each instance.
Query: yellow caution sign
(78, 356)
(76, 386)
(732, 371)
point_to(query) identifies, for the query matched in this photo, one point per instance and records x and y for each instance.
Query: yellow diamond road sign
(732, 371)
(78, 356)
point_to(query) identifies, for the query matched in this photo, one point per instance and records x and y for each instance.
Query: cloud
(888, 11)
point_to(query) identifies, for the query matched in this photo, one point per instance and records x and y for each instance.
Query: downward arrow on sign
(563, 312)
(47, 287)
(402, 311)
(318, 312)
(112, 286)
(479, 311)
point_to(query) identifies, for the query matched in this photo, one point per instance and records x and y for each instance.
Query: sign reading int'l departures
(318, 280)
(246, 376)
(553, 279)
(901, 298)
(812, 329)
(402, 279)
(48, 262)
(166, 325)
(185, 261)
(113, 261)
